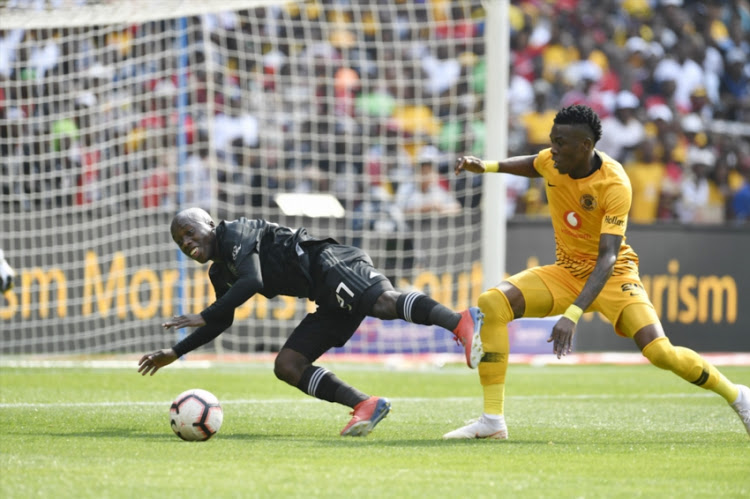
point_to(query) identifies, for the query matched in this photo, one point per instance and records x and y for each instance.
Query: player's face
(195, 238)
(571, 149)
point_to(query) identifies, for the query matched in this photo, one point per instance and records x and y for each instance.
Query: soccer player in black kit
(256, 256)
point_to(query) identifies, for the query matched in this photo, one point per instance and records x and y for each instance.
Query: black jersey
(256, 256)
(282, 266)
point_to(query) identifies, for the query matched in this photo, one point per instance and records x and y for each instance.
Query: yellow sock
(723, 386)
(494, 398)
(494, 334)
(690, 366)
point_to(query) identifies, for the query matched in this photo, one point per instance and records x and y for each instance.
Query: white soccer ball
(196, 415)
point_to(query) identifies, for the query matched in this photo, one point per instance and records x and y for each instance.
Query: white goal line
(413, 400)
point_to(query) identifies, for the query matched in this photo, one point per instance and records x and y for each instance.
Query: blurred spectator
(580, 80)
(693, 137)
(45, 54)
(539, 120)
(520, 93)
(441, 69)
(515, 188)
(232, 122)
(735, 85)
(719, 193)
(686, 71)
(693, 205)
(196, 188)
(741, 199)
(89, 179)
(425, 194)
(661, 128)
(646, 175)
(558, 54)
(10, 41)
(622, 131)
(671, 187)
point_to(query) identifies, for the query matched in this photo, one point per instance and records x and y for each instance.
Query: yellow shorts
(550, 289)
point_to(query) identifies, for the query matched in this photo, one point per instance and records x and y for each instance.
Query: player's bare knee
(287, 370)
(281, 369)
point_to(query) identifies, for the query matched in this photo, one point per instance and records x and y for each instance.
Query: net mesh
(113, 115)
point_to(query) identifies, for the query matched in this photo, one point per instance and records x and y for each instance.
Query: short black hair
(579, 114)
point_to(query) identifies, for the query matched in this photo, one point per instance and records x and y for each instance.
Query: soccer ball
(196, 415)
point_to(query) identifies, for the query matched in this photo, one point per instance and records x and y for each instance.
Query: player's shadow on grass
(256, 436)
(114, 433)
(438, 441)
(335, 441)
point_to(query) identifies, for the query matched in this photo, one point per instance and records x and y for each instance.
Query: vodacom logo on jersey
(572, 220)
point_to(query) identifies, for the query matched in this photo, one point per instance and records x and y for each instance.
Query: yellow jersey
(583, 209)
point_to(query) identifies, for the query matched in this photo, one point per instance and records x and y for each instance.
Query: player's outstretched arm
(152, 362)
(522, 166)
(188, 320)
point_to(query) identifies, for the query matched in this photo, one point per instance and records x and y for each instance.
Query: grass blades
(575, 431)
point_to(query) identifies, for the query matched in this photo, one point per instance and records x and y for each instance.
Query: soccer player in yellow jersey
(595, 270)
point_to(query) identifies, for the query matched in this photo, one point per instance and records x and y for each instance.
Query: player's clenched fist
(469, 163)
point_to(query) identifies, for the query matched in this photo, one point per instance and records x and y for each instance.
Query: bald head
(191, 215)
(193, 231)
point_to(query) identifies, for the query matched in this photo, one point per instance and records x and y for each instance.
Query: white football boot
(483, 427)
(742, 406)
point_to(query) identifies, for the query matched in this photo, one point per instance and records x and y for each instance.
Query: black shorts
(347, 286)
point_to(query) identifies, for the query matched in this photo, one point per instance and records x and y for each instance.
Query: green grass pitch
(575, 431)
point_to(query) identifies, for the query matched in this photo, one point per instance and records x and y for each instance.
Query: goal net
(345, 118)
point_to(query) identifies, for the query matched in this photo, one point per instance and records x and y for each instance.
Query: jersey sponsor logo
(619, 222)
(634, 288)
(551, 185)
(235, 251)
(588, 202)
(572, 220)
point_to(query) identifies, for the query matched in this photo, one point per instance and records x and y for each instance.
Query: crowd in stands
(671, 81)
(383, 96)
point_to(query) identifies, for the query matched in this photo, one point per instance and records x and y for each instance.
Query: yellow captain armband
(573, 313)
(491, 166)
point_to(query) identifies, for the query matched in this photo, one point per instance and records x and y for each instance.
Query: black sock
(324, 385)
(421, 309)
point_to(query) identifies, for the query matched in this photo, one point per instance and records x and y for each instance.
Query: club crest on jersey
(572, 220)
(588, 202)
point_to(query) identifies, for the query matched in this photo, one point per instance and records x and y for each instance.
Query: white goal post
(114, 114)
